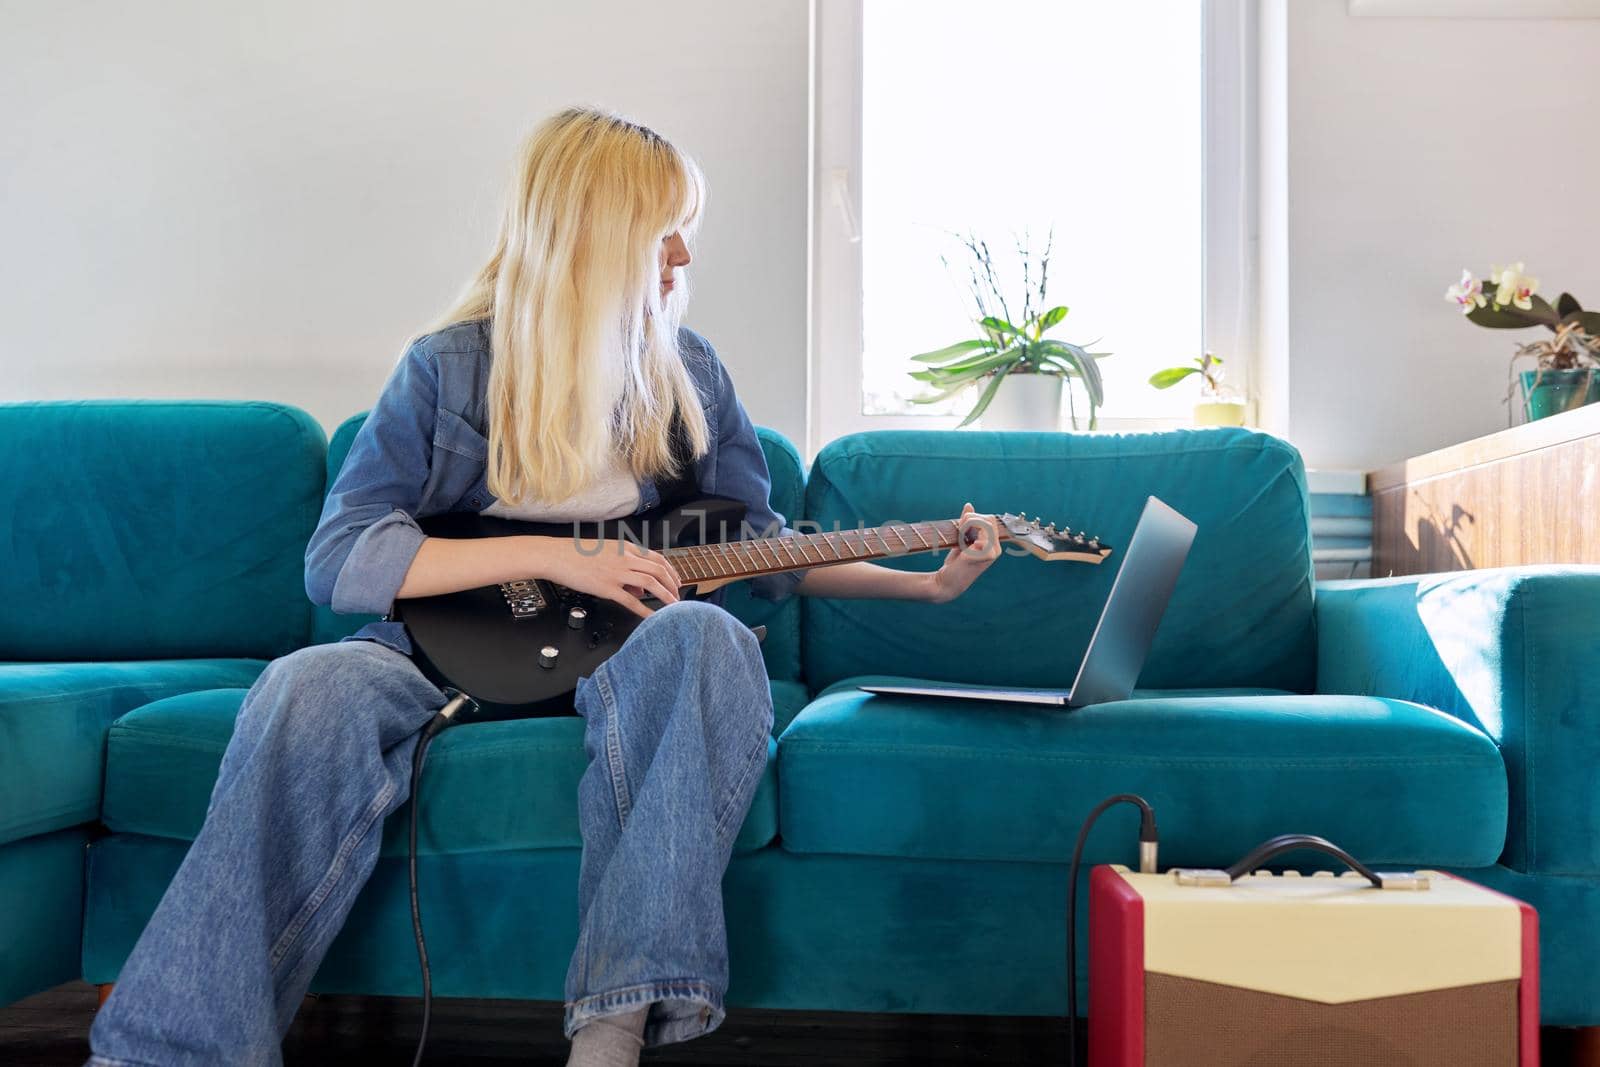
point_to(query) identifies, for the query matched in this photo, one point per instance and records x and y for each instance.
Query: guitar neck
(714, 564)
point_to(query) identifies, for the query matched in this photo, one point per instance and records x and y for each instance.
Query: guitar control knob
(547, 655)
(575, 618)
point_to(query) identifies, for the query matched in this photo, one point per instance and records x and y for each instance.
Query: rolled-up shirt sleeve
(742, 474)
(368, 535)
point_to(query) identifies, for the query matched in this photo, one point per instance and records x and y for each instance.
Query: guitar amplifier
(1211, 968)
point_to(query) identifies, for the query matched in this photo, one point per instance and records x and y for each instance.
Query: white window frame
(1228, 217)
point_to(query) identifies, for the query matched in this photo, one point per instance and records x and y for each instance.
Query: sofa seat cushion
(924, 777)
(53, 720)
(486, 787)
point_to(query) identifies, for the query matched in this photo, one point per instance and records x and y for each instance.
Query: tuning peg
(1051, 529)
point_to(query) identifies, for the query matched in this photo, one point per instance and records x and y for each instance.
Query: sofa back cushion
(151, 529)
(1241, 612)
(329, 626)
(781, 646)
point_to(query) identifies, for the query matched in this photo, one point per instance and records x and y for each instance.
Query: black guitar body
(519, 649)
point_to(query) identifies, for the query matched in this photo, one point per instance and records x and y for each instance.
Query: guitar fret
(768, 547)
(787, 544)
(757, 550)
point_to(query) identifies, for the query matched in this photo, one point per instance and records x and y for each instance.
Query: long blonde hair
(585, 350)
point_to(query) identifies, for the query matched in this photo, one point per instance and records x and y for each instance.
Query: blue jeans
(676, 727)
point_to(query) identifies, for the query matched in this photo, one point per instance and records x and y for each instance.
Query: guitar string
(740, 558)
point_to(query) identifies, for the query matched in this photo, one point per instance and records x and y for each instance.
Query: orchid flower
(1514, 287)
(1468, 292)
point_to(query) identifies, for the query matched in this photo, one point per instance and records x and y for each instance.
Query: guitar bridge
(523, 598)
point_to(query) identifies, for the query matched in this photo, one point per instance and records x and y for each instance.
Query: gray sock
(609, 1040)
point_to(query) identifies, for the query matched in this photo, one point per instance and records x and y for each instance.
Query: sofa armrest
(1514, 651)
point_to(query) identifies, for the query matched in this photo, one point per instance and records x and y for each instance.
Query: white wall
(1417, 147)
(265, 200)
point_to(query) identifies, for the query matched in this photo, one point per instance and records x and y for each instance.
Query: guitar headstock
(1051, 544)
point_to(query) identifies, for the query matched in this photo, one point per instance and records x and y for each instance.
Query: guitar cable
(1149, 842)
(445, 717)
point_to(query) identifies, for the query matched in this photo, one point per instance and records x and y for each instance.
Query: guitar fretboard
(743, 559)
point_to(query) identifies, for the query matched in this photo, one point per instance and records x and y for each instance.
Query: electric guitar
(519, 648)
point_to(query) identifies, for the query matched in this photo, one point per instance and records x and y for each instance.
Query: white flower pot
(1023, 402)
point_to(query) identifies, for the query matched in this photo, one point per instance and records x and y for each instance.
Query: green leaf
(1165, 379)
(940, 355)
(1051, 317)
(954, 377)
(983, 359)
(1506, 318)
(1543, 311)
(983, 399)
(1085, 365)
(999, 325)
(1567, 305)
(1589, 322)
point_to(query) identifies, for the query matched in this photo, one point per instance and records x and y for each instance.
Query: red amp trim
(1116, 971)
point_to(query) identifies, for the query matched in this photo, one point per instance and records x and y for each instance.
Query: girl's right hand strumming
(616, 569)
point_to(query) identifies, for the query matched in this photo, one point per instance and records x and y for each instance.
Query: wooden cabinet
(1530, 494)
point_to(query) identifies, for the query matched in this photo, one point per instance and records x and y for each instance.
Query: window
(937, 118)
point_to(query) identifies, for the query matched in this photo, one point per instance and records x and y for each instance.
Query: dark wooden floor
(51, 1029)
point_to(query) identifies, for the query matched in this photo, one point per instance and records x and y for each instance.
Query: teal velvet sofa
(901, 854)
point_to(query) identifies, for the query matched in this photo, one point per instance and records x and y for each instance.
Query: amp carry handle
(1289, 843)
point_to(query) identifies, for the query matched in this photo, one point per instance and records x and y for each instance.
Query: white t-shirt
(613, 494)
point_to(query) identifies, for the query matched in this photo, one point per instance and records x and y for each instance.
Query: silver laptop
(1127, 626)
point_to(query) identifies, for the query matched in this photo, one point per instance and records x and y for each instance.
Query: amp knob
(547, 655)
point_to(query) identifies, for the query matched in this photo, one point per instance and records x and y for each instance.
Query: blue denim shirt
(423, 450)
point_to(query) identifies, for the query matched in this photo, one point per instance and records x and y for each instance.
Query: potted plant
(1021, 371)
(1218, 405)
(1565, 365)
